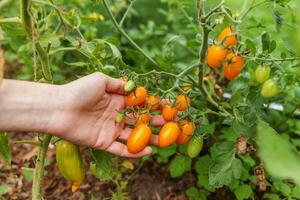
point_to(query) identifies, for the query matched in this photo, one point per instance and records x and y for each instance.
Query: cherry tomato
(262, 73)
(139, 138)
(187, 129)
(137, 97)
(169, 113)
(168, 134)
(215, 56)
(123, 78)
(152, 103)
(228, 37)
(129, 86)
(182, 102)
(233, 66)
(194, 147)
(120, 117)
(269, 89)
(143, 117)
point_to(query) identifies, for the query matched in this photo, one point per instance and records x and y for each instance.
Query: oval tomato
(169, 113)
(168, 134)
(262, 73)
(228, 37)
(215, 56)
(139, 138)
(123, 78)
(129, 86)
(187, 129)
(143, 117)
(194, 147)
(269, 89)
(137, 97)
(233, 66)
(152, 103)
(182, 102)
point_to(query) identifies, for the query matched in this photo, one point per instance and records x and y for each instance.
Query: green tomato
(129, 86)
(120, 117)
(194, 147)
(269, 89)
(262, 73)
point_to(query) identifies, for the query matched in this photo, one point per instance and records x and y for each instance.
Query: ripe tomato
(269, 89)
(129, 86)
(233, 66)
(194, 147)
(182, 102)
(143, 117)
(187, 129)
(169, 113)
(139, 138)
(228, 37)
(262, 73)
(152, 103)
(137, 97)
(215, 56)
(168, 134)
(123, 78)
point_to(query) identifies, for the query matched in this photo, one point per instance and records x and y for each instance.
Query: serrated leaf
(179, 165)
(243, 192)
(102, 166)
(224, 166)
(202, 165)
(277, 154)
(194, 194)
(4, 147)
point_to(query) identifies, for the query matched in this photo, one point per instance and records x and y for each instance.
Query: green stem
(272, 59)
(11, 20)
(120, 29)
(32, 142)
(39, 169)
(126, 13)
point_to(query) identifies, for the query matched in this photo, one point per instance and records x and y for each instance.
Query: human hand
(87, 117)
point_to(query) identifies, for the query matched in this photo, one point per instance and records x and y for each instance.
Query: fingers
(120, 149)
(157, 120)
(126, 132)
(114, 85)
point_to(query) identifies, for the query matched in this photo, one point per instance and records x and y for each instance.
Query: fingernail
(148, 150)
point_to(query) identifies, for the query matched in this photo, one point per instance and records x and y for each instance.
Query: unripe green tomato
(269, 89)
(129, 86)
(69, 163)
(120, 117)
(262, 73)
(194, 147)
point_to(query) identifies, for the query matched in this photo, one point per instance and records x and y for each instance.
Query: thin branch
(120, 29)
(272, 59)
(11, 20)
(126, 13)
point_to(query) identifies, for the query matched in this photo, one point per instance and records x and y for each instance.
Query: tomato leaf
(4, 147)
(224, 166)
(277, 154)
(243, 192)
(194, 194)
(102, 165)
(179, 165)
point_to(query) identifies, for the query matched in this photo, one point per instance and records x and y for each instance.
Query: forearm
(28, 106)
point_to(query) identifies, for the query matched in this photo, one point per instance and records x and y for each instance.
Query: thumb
(114, 85)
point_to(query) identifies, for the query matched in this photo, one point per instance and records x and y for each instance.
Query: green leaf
(243, 192)
(224, 166)
(4, 147)
(265, 40)
(282, 187)
(28, 174)
(194, 194)
(271, 196)
(3, 189)
(276, 152)
(102, 165)
(202, 165)
(179, 165)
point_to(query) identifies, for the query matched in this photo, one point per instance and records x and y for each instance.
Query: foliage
(248, 145)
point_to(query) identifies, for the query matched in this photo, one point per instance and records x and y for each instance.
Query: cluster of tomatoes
(222, 54)
(174, 130)
(269, 86)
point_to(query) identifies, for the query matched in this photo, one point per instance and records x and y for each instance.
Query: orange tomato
(168, 134)
(215, 56)
(153, 103)
(187, 129)
(123, 78)
(233, 66)
(139, 138)
(227, 36)
(182, 102)
(169, 113)
(137, 97)
(143, 117)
